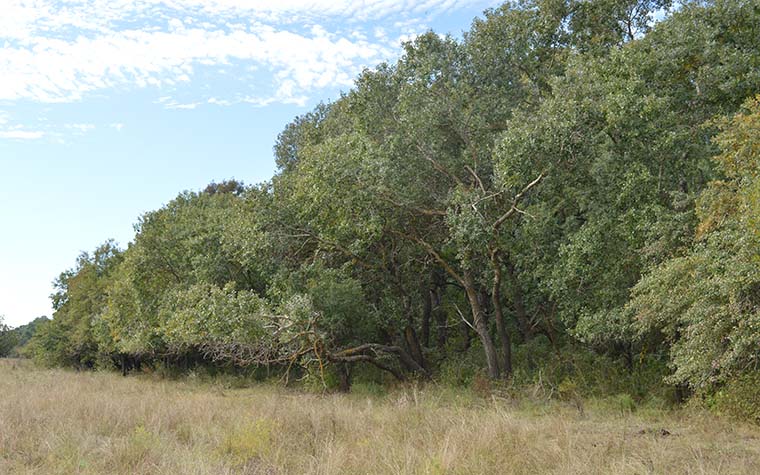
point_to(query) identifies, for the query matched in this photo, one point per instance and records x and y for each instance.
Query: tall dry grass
(61, 422)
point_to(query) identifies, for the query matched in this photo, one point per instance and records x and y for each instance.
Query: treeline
(570, 182)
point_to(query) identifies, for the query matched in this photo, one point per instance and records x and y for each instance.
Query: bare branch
(461, 315)
(477, 178)
(518, 197)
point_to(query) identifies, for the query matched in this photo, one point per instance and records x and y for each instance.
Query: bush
(585, 373)
(461, 370)
(368, 388)
(319, 380)
(739, 398)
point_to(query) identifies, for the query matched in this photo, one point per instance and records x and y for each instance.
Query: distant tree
(25, 332)
(228, 186)
(8, 339)
(80, 296)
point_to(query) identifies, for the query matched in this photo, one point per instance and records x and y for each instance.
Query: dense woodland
(568, 195)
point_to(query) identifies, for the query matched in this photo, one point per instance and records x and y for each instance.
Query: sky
(110, 108)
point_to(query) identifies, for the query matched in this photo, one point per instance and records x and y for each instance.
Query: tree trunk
(413, 344)
(426, 313)
(344, 374)
(436, 296)
(506, 343)
(481, 326)
(521, 316)
(465, 329)
(440, 319)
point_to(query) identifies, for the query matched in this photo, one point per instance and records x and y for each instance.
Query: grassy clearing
(61, 422)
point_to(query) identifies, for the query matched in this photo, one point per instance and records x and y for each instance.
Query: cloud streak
(21, 134)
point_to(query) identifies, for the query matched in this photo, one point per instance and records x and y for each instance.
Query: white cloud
(81, 128)
(188, 106)
(21, 134)
(219, 102)
(62, 50)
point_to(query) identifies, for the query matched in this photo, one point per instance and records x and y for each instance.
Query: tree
(707, 301)
(8, 339)
(80, 297)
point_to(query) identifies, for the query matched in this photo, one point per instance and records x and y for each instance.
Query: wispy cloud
(63, 50)
(21, 134)
(81, 128)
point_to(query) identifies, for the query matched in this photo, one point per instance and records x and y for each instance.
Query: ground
(63, 422)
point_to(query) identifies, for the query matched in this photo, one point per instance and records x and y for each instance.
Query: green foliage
(706, 302)
(25, 332)
(80, 298)
(461, 370)
(212, 319)
(625, 403)
(739, 398)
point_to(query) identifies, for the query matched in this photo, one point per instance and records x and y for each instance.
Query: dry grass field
(62, 422)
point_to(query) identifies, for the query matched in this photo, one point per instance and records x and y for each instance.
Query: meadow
(64, 422)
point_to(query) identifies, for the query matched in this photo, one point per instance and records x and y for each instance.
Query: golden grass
(61, 422)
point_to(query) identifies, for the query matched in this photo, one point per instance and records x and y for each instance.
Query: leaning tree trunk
(481, 327)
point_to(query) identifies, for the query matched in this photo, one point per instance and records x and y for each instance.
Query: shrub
(739, 398)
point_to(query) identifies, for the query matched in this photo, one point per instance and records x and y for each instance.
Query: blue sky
(109, 108)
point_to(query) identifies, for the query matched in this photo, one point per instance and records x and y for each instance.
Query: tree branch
(429, 248)
(440, 168)
(416, 209)
(518, 197)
